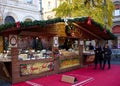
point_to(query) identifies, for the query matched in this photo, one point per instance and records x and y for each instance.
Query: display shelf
(36, 60)
(5, 60)
(68, 57)
(68, 66)
(69, 62)
(48, 42)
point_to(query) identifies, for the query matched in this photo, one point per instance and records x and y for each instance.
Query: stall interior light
(36, 37)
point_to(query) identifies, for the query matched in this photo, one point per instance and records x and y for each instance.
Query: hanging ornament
(18, 24)
(68, 30)
(51, 66)
(89, 21)
(105, 31)
(73, 34)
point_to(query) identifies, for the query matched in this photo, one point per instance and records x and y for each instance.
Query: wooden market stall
(42, 48)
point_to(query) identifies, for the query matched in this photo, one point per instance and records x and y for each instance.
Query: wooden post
(15, 64)
(81, 55)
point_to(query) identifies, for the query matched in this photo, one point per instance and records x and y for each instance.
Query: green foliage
(6, 26)
(40, 23)
(93, 8)
(52, 21)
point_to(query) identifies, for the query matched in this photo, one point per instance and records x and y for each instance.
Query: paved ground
(113, 61)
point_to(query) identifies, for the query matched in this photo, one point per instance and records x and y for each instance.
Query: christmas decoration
(56, 52)
(51, 66)
(89, 21)
(43, 23)
(68, 30)
(105, 31)
(18, 24)
(73, 34)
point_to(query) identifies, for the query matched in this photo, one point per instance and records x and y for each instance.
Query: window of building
(49, 17)
(30, 1)
(118, 41)
(9, 19)
(49, 4)
(117, 10)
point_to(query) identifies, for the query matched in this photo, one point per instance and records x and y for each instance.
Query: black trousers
(104, 62)
(98, 60)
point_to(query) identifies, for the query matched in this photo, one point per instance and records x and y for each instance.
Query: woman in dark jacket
(98, 56)
(107, 55)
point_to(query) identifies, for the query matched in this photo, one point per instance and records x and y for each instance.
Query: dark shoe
(108, 67)
(102, 68)
(94, 68)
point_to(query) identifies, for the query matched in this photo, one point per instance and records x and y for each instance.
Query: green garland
(43, 23)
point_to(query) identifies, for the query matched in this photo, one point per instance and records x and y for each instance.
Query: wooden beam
(87, 31)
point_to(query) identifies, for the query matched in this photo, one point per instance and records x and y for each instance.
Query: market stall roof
(95, 29)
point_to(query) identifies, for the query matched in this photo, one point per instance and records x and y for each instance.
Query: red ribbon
(89, 21)
(51, 66)
(105, 30)
(18, 24)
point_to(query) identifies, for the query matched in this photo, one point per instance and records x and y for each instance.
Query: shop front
(43, 48)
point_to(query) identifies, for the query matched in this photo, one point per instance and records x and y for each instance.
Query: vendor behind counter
(91, 47)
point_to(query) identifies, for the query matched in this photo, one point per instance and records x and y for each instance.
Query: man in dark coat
(98, 56)
(91, 47)
(107, 55)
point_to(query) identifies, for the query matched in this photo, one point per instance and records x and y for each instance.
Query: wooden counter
(88, 58)
(67, 63)
(22, 70)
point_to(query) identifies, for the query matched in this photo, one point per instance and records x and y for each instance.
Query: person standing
(107, 55)
(98, 56)
(91, 47)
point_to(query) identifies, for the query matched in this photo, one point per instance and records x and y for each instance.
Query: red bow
(105, 30)
(18, 24)
(89, 21)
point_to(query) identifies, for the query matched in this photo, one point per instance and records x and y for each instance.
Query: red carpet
(85, 76)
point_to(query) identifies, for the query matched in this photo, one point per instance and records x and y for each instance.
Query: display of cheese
(69, 53)
(23, 57)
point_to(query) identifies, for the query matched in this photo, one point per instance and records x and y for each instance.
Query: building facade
(116, 22)
(47, 8)
(27, 10)
(19, 10)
